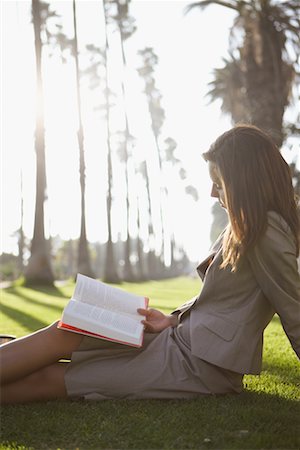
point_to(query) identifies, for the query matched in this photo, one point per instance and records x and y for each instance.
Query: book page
(94, 292)
(87, 290)
(101, 320)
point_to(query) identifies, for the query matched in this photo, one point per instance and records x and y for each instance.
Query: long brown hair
(256, 179)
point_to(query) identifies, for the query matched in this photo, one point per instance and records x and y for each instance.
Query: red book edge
(64, 326)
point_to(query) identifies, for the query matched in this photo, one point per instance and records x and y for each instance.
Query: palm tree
(97, 71)
(142, 273)
(126, 27)
(169, 158)
(20, 231)
(228, 84)
(110, 269)
(150, 270)
(157, 116)
(84, 265)
(256, 82)
(39, 270)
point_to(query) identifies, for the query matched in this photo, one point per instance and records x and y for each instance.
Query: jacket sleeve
(186, 306)
(274, 264)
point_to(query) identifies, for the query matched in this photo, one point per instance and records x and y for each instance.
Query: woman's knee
(65, 340)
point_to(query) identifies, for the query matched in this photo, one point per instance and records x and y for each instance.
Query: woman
(208, 344)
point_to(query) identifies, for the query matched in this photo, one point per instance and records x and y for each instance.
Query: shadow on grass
(29, 299)
(48, 290)
(283, 371)
(26, 320)
(249, 420)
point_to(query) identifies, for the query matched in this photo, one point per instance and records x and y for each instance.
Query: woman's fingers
(148, 326)
(144, 312)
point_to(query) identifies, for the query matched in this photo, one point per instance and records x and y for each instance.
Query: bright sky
(189, 47)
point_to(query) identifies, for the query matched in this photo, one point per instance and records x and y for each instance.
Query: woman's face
(217, 187)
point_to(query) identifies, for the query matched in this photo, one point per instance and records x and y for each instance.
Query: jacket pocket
(224, 328)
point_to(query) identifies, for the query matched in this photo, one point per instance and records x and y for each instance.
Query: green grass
(265, 416)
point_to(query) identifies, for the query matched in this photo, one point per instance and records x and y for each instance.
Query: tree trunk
(39, 269)
(84, 265)
(110, 268)
(71, 269)
(151, 268)
(141, 274)
(162, 202)
(21, 237)
(128, 272)
(264, 78)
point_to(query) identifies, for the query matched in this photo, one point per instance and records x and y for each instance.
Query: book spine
(64, 326)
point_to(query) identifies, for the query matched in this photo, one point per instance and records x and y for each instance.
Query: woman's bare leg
(45, 384)
(43, 348)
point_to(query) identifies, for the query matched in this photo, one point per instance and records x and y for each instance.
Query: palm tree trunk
(128, 272)
(153, 267)
(21, 237)
(39, 269)
(162, 202)
(84, 265)
(141, 270)
(110, 268)
(265, 99)
(71, 269)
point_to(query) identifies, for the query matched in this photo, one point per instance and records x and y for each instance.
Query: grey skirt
(163, 368)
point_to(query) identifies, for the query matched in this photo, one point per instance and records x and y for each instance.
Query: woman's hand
(156, 321)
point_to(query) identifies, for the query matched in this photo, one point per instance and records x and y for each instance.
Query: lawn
(265, 416)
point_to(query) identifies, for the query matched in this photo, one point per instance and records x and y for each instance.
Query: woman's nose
(214, 192)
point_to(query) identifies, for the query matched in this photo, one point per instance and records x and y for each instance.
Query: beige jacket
(229, 316)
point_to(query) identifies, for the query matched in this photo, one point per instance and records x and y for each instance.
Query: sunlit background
(188, 47)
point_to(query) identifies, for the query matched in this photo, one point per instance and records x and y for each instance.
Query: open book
(103, 311)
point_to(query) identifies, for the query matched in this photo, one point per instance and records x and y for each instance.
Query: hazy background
(188, 48)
